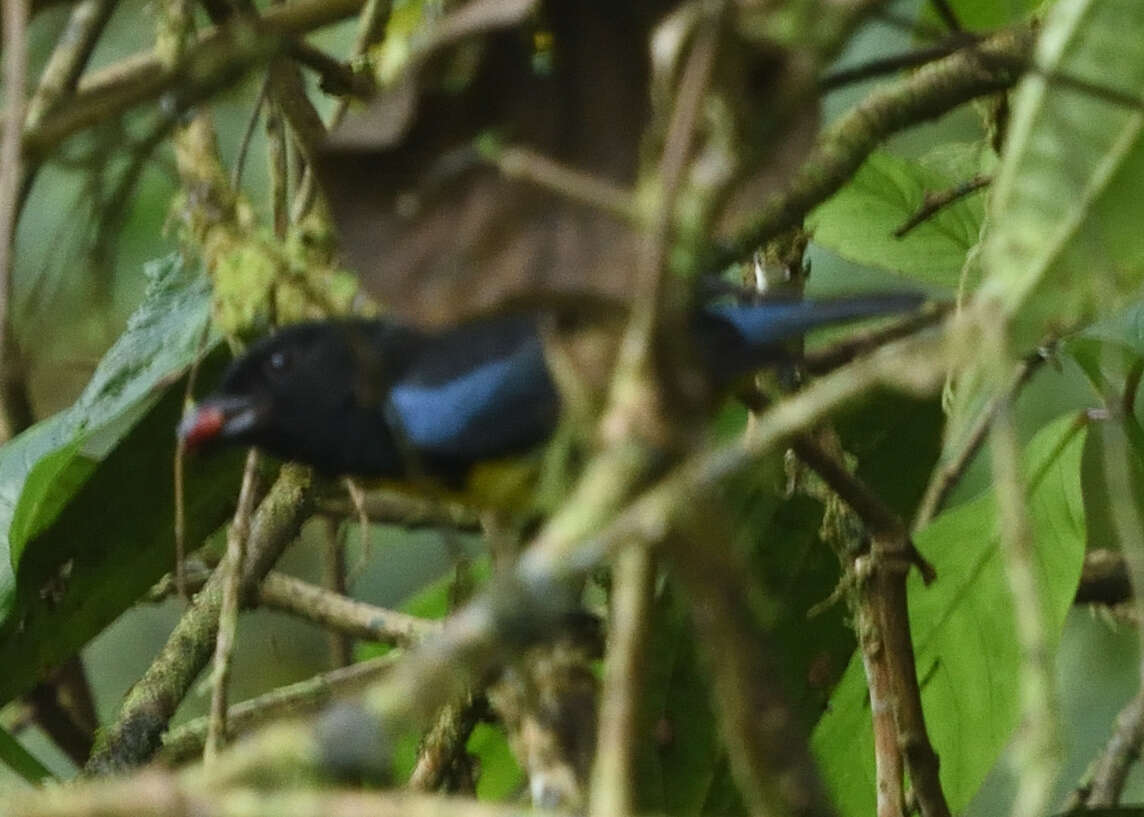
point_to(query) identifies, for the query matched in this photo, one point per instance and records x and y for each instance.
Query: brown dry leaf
(439, 233)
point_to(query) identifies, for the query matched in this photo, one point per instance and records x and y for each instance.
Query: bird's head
(313, 392)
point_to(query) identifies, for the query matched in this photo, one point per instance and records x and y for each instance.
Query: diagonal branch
(613, 775)
(134, 736)
(984, 68)
(215, 60)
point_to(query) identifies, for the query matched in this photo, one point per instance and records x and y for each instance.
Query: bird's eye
(278, 363)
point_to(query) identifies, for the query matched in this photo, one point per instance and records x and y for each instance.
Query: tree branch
(1038, 744)
(185, 742)
(444, 743)
(613, 775)
(992, 65)
(15, 15)
(163, 794)
(216, 59)
(231, 568)
(344, 615)
(883, 624)
(946, 475)
(134, 736)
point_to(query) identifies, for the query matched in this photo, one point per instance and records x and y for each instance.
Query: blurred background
(96, 215)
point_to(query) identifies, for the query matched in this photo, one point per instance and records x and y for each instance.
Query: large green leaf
(86, 497)
(858, 222)
(1064, 243)
(967, 655)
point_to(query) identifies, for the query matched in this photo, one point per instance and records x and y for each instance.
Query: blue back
(483, 390)
(494, 395)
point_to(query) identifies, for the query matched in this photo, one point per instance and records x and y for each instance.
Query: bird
(375, 397)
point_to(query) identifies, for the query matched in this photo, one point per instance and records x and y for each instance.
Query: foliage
(784, 575)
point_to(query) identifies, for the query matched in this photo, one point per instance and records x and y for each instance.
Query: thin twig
(214, 60)
(681, 131)
(634, 386)
(232, 567)
(442, 761)
(341, 644)
(445, 741)
(159, 793)
(323, 607)
(134, 735)
(336, 78)
(277, 165)
(888, 765)
(888, 567)
(178, 464)
(370, 29)
(882, 612)
(61, 74)
(947, 14)
(1038, 744)
(247, 136)
(933, 203)
(888, 65)
(991, 65)
(73, 48)
(342, 614)
(289, 94)
(827, 359)
(878, 517)
(613, 775)
(65, 711)
(186, 741)
(1121, 99)
(1120, 466)
(946, 476)
(15, 16)
(586, 188)
(1109, 772)
(404, 509)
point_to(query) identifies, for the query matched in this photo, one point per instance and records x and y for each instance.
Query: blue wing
(737, 338)
(478, 392)
(768, 323)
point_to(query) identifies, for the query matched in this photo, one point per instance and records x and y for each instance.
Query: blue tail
(740, 337)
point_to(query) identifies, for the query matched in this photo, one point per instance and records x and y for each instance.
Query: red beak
(219, 418)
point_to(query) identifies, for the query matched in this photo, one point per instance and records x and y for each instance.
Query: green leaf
(967, 656)
(858, 222)
(1064, 244)
(1107, 350)
(982, 15)
(678, 751)
(18, 458)
(500, 775)
(42, 468)
(1124, 329)
(896, 440)
(86, 497)
(50, 483)
(21, 761)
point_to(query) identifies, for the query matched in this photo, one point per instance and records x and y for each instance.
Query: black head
(312, 393)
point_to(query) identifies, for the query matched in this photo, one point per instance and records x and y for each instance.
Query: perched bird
(373, 397)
